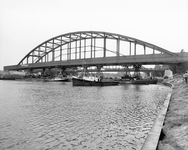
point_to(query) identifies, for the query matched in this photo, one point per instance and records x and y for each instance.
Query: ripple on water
(39, 115)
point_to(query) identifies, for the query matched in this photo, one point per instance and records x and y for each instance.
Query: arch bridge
(94, 48)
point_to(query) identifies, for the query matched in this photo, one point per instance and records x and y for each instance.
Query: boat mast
(84, 69)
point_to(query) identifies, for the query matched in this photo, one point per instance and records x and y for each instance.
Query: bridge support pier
(43, 71)
(127, 71)
(137, 70)
(62, 71)
(47, 72)
(29, 72)
(99, 68)
(148, 74)
(99, 73)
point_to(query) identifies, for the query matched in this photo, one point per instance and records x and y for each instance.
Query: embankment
(174, 134)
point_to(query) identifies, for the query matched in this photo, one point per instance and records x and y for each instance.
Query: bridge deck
(106, 61)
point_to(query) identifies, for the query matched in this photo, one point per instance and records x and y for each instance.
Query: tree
(177, 68)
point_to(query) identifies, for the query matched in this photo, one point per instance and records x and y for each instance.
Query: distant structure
(168, 74)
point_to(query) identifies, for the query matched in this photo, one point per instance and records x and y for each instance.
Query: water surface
(52, 116)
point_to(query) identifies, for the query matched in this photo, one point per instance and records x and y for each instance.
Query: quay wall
(170, 129)
(175, 130)
(155, 133)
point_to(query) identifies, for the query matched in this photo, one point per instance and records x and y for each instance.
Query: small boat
(7, 78)
(91, 81)
(137, 80)
(58, 79)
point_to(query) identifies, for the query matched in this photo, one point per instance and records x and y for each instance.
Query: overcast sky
(24, 24)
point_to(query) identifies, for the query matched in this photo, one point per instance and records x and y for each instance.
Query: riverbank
(175, 130)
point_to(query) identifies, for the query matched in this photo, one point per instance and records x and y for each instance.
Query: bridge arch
(88, 44)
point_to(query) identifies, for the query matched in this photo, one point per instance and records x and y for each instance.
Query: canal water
(58, 116)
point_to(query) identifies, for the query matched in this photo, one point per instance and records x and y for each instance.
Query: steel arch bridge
(75, 45)
(93, 48)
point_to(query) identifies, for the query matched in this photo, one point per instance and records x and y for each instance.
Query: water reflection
(41, 115)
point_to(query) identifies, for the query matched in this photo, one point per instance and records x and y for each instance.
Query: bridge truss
(89, 45)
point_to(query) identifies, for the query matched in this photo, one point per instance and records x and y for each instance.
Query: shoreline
(174, 135)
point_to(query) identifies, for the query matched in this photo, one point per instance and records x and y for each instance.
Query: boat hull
(7, 78)
(146, 81)
(59, 80)
(82, 82)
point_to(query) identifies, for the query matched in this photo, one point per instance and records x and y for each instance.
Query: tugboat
(91, 81)
(84, 80)
(136, 78)
(139, 81)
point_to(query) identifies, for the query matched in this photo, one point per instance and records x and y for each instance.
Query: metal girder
(68, 38)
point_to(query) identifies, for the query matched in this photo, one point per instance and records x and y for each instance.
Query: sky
(24, 24)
